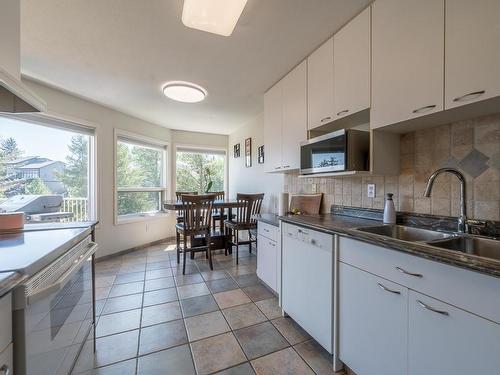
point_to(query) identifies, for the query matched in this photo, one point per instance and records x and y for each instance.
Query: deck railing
(78, 206)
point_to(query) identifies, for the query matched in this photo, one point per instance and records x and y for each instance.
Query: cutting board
(308, 204)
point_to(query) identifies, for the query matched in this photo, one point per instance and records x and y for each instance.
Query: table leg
(229, 233)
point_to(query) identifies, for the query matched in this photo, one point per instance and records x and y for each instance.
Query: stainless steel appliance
(342, 150)
(54, 313)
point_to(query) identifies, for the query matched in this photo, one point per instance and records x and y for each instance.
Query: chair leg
(178, 239)
(192, 252)
(184, 258)
(237, 245)
(250, 244)
(209, 253)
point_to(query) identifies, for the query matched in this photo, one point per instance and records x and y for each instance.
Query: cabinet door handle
(286, 166)
(272, 244)
(5, 370)
(326, 118)
(424, 108)
(387, 289)
(470, 95)
(277, 167)
(344, 111)
(426, 306)
(409, 273)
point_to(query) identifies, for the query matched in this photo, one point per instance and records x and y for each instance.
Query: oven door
(57, 317)
(324, 154)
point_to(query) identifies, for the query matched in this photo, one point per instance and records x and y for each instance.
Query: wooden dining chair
(248, 206)
(218, 214)
(197, 218)
(178, 197)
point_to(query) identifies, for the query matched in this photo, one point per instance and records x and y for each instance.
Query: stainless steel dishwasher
(308, 283)
(54, 313)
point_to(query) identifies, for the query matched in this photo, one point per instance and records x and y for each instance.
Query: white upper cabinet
(294, 128)
(273, 118)
(351, 66)
(472, 53)
(407, 59)
(285, 120)
(320, 86)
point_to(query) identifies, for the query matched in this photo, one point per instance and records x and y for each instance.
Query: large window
(46, 169)
(140, 176)
(200, 170)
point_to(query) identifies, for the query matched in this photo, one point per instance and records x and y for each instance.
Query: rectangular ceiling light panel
(213, 16)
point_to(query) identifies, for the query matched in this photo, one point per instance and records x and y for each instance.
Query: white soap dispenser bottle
(389, 210)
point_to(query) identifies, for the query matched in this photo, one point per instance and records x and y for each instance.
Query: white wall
(113, 238)
(253, 179)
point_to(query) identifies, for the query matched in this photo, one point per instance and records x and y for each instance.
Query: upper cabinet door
(294, 128)
(320, 85)
(472, 56)
(351, 66)
(273, 112)
(407, 59)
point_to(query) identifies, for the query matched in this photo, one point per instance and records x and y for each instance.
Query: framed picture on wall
(260, 154)
(236, 150)
(248, 152)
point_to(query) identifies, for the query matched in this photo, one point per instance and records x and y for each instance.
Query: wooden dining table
(219, 239)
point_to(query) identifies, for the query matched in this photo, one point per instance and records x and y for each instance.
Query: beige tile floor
(154, 320)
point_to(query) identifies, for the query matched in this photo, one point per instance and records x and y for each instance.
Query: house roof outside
(24, 159)
(40, 165)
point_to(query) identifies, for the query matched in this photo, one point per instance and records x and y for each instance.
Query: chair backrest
(219, 195)
(248, 205)
(179, 194)
(197, 211)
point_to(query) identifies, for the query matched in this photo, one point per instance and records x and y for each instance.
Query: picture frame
(236, 150)
(260, 154)
(248, 152)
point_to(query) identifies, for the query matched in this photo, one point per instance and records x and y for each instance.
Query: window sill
(136, 218)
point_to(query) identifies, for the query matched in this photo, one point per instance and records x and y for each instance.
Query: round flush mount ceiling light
(185, 92)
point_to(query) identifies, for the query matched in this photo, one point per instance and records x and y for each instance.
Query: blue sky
(35, 139)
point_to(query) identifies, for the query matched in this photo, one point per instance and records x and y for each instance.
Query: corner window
(140, 176)
(47, 169)
(200, 170)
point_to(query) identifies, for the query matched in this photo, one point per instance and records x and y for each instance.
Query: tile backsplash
(472, 146)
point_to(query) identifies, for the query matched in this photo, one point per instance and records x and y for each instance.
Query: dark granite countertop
(344, 225)
(271, 219)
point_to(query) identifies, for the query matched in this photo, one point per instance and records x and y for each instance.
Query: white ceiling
(120, 52)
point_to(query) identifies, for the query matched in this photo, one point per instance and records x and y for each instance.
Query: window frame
(54, 120)
(200, 149)
(163, 189)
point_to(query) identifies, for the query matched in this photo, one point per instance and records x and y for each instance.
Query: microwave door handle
(59, 283)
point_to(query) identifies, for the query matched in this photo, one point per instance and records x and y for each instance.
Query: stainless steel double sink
(473, 245)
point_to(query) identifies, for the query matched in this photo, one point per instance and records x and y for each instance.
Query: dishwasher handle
(61, 281)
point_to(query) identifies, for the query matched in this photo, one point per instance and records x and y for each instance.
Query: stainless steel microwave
(342, 150)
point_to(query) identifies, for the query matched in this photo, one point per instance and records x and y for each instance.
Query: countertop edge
(10, 282)
(449, 257)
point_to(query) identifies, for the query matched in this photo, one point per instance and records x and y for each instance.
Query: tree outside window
(201, 171)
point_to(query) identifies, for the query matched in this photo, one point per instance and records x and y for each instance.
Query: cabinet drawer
(268, 231)
(5, 320)
(6, 361)
(468, 290)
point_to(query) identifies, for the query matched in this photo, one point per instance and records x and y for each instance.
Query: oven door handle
(59, 283)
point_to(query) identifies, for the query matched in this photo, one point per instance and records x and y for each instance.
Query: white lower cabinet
(446, 340)
(267, 261)
(401, 327)
(6, 361)
(373, 329)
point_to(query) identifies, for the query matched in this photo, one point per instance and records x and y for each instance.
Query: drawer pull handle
(424, 109)
(5, 370)
(409, 273)
(265, 230)
(426, 306)
(286, 166)
(384, 288)
(326, 118)
(471, 95)
(277, 167)
(344, 111)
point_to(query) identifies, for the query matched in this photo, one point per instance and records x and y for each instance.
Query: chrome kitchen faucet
(462, 219)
